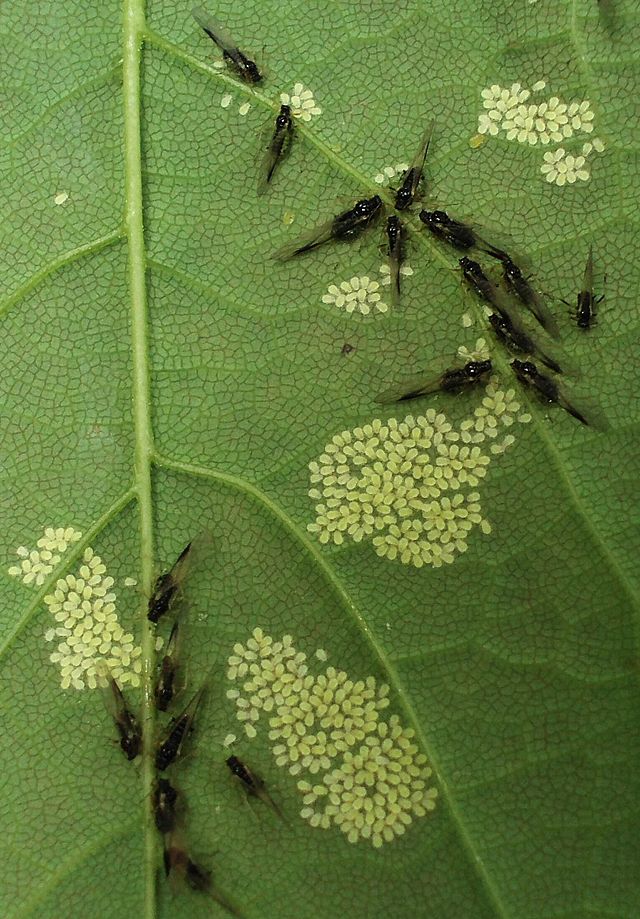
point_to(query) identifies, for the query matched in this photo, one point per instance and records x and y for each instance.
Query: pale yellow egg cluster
(509, 109)
(302, 103)
(377, 789)
(90, 637)
(370, 780)
(410, 486)
(36, 565)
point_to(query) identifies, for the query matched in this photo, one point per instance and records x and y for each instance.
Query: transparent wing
(311, 240)
(214, 29)
(412, 388)
(275, 151)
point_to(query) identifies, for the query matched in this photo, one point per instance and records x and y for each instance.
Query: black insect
(395, 252)
(454, 232)
(166, 685)
(519, 285)
(585, 309)
(483, 286)
(168, 585)
(178, 863)
(518, 341)
(347, 348)
(278, 147)
(411, 180)
(165, 798)
(454, 380)
(245, 68)
(170, 746)
(345, 226)
(546, 388)
(127, 724)
(252, 784)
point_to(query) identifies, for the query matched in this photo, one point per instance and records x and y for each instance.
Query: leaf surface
(162, 375)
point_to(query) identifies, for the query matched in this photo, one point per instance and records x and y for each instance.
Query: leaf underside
(517, 665)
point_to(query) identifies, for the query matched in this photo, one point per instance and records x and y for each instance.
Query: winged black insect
(243, 66)
(407, 192)
(167, 682)
(518, 341)
(346, 226)
(169, 584)
(165, 798)
(170, 746)
(126, 723)
(454, 380)
(483, 286)
(520, 286)
(545, 387)
(178, 863)
(278, 147)
(586, 302)
(454, 232)
(395, 253)
(252, 784)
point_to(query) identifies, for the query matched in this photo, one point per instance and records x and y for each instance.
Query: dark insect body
(243, 66)
(545, 387)
(165, 797)
(126, 722)
(586, 302)
(252, 783)
(516, 340)
(395, 252)
(454, 380)
(522, 289)
(170, 747)
(167, 586)
(454, 232)
(483, 286)
(178, 863)
(412, 177)
(345, 226)
(166, 685)
(278, 146)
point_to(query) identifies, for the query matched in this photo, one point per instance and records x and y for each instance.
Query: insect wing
(214, 29)
(395, 255)
(314, 238)
(170, 748)
(245, 67)
(420, 385)
(352, 222)
(483, 286)
(170, 583)
(277, 148)
(530, 297)
(454, 232)
(408, 190)
(165, 797)
(346, 225)
(166, 685)
(542, 314)
(587, 281)
(125, 721)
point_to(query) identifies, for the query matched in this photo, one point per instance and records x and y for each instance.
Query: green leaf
(162, 375)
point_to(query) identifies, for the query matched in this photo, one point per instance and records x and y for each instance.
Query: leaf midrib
(134, 27)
